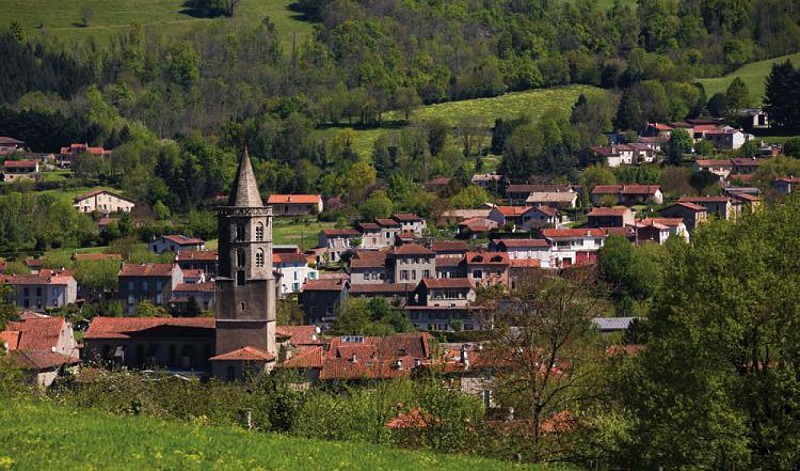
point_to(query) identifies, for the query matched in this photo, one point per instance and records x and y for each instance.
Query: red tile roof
(37, 334)
(449, 246)
(387, 222)
(412, 249)
(279, 258)
(309, 358)
(524, 243)
(487, 258)
(45, 277)
(40, 359)
(19, 164)
(101, 191)
(416, 418)
(294, 199)
(526, 263)
(11, 338)
(704, 199)
(181, 239)
(300, 335)
(512, 211)
(603, 212)
(446, 283)
(199, 255)
(146, 269)
(323, 284)
(572, 233)
(122, 327)
(207, 287)
(245, 354)
(406, 217)
(546, 210)
(690, 206)
(713, 163)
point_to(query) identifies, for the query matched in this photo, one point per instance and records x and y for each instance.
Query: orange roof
(40, 359)
(245, 354)
(704, 199)
(324, 284)
(278, 258)
(497, 258)
(449, 246)
(300, 334)
(294, 199)
(416, 418)
(19, 163)
(309, 358)
(512, 211)
(526, 263)
(101, 191)
(412, 249)
(602, 212)
(146, 269)
(37, 333)
(121, 327)
(523, 243)
(446, 283)
(572, 233)
(10, 337)
(207, 287)
(200, 255)
(181, 239)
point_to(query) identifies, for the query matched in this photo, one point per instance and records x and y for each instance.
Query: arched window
(240, 232)
(259, 258)
(241, 260)
(259, 231)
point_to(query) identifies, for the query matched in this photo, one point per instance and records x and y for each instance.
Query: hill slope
(41, 436)
(754, 75)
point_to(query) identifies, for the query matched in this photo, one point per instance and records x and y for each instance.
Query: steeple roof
(244, 192)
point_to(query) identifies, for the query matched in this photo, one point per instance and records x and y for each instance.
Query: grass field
(534, 103)
(42, 437)
(62, 18)
(754, 75)
(303, 234)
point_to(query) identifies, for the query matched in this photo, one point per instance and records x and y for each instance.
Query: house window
(131, 300)
(144, 285)
(259, 258)
(231, 373)
(38, 291)
(130, 286)
(404, 274)
(426, 273)
(159, 285)
(477, 274)
(413, 274)
(295, 287)
(259, 232)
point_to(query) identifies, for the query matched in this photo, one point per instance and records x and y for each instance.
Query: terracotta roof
(381, 288)
(572, 233)
(387, 222)
(406, 217)
(416, 418)
(19, 163)
(207, 287)
(323, 284)
(446, 283)
(669, 222)
(181, 239)
(278, 258)
(300, 335)
(341, 232)
(496, 258)
(5, 140)
(714, 163)
(448, 246)
(745, 197)
(368, 226)
(94, 257)
(38, 333)
(552, 197)
(199, 255)
(412, 249)
(479, 224)
(10, 337)
(245, 354)
(41, 359)
(546, 210)
(295, 199)
(603, 212)
(192, 273)
(690, 206)
(511, 211)
(704, 199)
(442, 262)
(146, 269)
(122, 327)
(526, 263)
(625, 189)
(788, 179)
(414, 345)
(309, 358)
(524, 243)
(101, 191)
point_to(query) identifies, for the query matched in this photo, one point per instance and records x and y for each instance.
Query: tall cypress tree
(781, 99)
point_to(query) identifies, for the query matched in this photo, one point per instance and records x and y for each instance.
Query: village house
(785, 185)
(205, 260)
(742, 202)
(692, 214)
(42, 346)
(451, 267)
(525, 249)
(449, 249)
(368, 267)
(47, 289)
(719, 206)
(321, 299)
(555, 199)
(9, 145)
(177, 343)
(447, 318)
(519, 193)
(755, 118)
(610, 217)
(66, 157)
(410, 263)
(338, 241)
(294, 271)
(574, 246)
(451, 292)
(104, 202)
(456, 216)
(202, 292)
(295, 205)
(719, 167)
(14, 170)
(486, 269)
(507, 215)
(153, 282)
(627, 195)
(395, 293)
(487, 181)
(658, 230)
(475, 228)
(615, 156)
(538, 217)
(747, 166)
(390, 229)
(410, 222)
(176, 243)
(726, 138)
(644, 152)
(437, 185)
(372, 236)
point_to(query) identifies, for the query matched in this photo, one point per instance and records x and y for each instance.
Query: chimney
(399, 364)
(353, 358)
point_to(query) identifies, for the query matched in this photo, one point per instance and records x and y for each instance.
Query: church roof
(244, 192)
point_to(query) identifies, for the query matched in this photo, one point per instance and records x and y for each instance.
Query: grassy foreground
(754, 75)
(42, 436)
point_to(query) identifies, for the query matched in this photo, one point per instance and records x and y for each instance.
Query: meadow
(37, 435)
(62, 18)
(754, 75)
(534, 103)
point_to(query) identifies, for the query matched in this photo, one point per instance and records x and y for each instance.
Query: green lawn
(534, 103)
(304, 234)
(61, 18)
(754, 75)
(42, 436)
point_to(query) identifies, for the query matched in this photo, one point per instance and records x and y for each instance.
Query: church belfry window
(260, 258)
(240, 233)
(240, 258)
(259, 231)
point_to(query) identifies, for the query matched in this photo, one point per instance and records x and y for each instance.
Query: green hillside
(62, 18)
(534, 103)
(40, 436)
(754, 75)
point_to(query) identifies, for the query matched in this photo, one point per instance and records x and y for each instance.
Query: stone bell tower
(245, 289)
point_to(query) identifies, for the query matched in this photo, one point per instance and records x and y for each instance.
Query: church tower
(245, 288)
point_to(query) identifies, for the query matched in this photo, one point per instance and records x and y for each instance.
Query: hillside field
(62, 18)
(754, 75)
(534, 103)
(42, 436)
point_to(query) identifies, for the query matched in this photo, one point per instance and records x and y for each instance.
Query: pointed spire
(244, 192)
